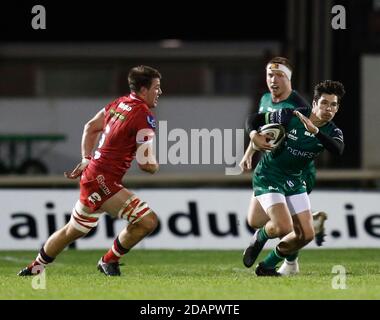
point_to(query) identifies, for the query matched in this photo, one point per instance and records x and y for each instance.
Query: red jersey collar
(133, 96)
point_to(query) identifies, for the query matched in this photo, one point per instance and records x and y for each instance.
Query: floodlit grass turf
(170, 274)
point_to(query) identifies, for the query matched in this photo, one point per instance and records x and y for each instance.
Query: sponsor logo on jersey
(309, 134)
(124, 106)
(151, 120)
(292, 135)
(301, 153)
(102, 184)
(274, 66)
(117, 115)
(290, 183)
(273, 188)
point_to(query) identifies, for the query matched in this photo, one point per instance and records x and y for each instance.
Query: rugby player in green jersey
(278, 181)
(281, 95)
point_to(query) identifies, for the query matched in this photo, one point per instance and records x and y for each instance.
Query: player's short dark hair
(329, 87)
(142, 76)
(283, 61)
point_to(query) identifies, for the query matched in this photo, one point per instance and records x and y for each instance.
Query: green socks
(292, 257)
(273, 258)
(262, 236)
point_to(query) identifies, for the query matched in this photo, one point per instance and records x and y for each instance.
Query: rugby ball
(276, 131)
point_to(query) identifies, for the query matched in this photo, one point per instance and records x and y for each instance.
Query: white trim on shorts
(269, 199)
(296, 203)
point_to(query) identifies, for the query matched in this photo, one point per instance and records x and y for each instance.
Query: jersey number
(101, 141)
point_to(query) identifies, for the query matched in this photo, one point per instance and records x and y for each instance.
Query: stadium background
(53, 80)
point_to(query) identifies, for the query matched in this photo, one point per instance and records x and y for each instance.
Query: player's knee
(135, 211)
(309, 236)
(305, 237)
(73, 233)
(149, 222)
(283, 229)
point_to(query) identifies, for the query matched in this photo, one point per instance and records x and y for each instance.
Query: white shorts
(296, 203)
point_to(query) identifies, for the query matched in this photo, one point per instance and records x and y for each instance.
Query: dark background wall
(302, 30)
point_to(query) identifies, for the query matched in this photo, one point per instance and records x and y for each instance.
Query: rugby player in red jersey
(127, 127)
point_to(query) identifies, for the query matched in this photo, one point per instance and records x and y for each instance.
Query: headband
(280, 67)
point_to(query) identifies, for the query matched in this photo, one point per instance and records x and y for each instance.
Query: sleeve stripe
(338, 138)
(267, 117)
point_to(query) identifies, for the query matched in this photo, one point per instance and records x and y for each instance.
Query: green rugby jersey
(298, 149)
(294, 101)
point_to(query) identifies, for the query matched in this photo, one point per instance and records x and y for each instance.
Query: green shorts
(269, 183)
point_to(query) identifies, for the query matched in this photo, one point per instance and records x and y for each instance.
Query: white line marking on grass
(13, 259)
(22, 260)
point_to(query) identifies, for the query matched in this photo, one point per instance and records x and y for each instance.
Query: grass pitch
(191, 275)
